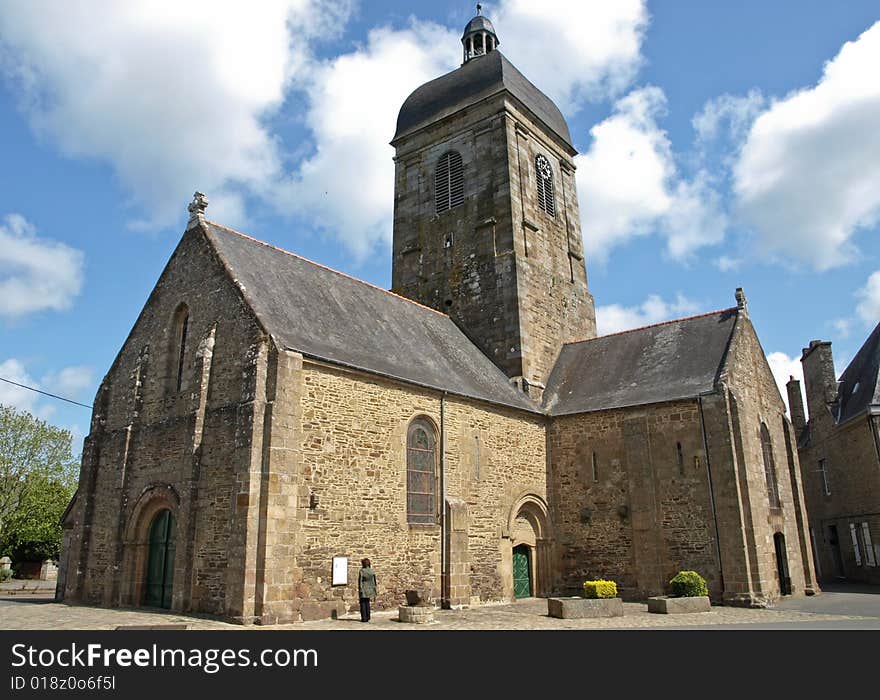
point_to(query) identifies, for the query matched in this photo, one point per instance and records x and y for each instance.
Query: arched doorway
(529, 540)
(160, 560)
(782, 564)
(522, 572)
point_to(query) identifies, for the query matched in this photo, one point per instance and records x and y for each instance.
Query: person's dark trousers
(365, 609)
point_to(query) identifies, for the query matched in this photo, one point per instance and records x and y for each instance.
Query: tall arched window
(449, 181)
(421, 473)
(178, 344)
(546, 199)
(769, 468)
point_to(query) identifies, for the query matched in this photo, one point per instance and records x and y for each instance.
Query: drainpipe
(711, 493)
(444, 526)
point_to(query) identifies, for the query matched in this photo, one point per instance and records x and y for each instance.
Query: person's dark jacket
(367, 583)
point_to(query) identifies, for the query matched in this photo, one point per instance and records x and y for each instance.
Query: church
(269, 421)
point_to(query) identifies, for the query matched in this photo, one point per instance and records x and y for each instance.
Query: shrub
(600, 589)
(688, 584)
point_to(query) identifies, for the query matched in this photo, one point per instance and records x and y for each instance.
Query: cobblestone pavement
(20, 613)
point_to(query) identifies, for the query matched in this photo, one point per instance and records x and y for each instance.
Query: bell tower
(486, 222)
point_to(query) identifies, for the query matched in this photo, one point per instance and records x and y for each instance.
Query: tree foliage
(37, 479)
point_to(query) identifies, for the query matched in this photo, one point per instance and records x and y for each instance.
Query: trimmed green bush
(688, 584)
(600, 589)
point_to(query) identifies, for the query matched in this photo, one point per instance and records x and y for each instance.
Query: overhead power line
(44, 393)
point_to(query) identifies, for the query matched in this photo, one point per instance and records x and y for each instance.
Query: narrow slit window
(769, 468)
(679, 455)
(179, 343)
(449, 182)
(546, 198)
(595, 467)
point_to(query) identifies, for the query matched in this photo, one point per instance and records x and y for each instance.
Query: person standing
(366, 588)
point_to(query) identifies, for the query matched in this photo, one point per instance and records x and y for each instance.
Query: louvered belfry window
(449, 181)
(421, 473)
(546, 200)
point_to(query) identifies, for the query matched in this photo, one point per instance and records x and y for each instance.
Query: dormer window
(449, 181)
(546, 199)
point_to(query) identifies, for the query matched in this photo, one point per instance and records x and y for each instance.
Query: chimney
(796, 405)
(819, 377)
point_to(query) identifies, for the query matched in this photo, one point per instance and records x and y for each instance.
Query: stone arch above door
(528, 525)
(153, 499)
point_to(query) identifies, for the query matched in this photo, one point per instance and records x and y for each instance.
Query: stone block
(415, 615)
(580, 608)
(675, 606)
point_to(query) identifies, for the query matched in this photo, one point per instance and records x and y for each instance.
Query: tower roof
(478, 79)
(479, 24)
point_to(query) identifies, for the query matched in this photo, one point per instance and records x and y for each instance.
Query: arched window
(546, 199)
(449, 181)
(769, 468)
(421, 473)
(178, 344)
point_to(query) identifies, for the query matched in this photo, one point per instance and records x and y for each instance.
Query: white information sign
(340, 571)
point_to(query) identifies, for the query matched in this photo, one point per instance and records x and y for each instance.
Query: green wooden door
(160, 562)
(522, 580)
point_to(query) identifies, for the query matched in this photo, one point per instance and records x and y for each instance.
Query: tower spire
(479, 37)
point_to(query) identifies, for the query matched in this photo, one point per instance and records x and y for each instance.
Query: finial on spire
(742, 304)
(479, 9)
(197, 208)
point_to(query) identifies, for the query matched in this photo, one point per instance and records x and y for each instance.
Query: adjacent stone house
(839, 452)
(468, 432)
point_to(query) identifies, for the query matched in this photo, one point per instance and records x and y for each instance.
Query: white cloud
(35, 273)
(614, 317)
(172, 95)
(346, 188)
(868, 307)
(728, 115)
(807, 177)
(178, 95)
(727, 264)
(842, 326)
(629, 186)
(70, 382)
(11, 395)
(783, 368)
(574, 50)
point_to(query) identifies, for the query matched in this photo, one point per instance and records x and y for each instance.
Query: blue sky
(721, 145)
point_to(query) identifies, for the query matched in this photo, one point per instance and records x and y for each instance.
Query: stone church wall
(744, 508)
(642, 514)
(345, 479)
(151, 446)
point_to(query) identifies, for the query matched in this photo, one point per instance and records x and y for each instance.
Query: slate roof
(859, 387)
(330, 316)
(479, 78)
(669, 361)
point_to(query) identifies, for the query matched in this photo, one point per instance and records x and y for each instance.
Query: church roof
(666, 362)
(327, 315)
(859, 385)
(479, 78)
